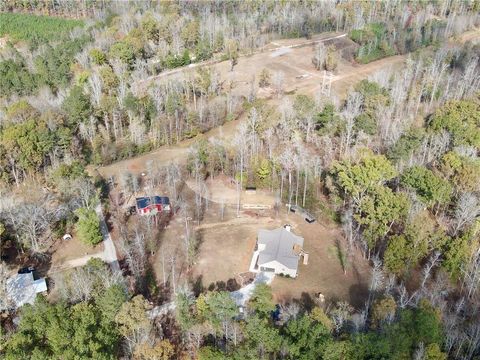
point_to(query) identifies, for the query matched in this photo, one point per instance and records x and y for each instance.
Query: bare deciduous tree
(96, 85)
(319, 56)
(134, 248)
(278, 83)
(466, 211)
(427, 269)
(173, 177)
(349, 113)
(31, 222)
(340, 315)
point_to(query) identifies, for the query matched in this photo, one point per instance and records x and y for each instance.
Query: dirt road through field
(300, 77)
(165, 154)
(278, 45)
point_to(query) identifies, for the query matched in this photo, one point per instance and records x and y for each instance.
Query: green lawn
(33, 28)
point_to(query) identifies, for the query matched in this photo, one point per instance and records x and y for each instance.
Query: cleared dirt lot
(221, 190)
(65, 251)
(299, 75)
(225, 249)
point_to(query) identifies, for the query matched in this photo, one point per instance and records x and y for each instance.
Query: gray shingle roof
(22, 288)
(279, 245)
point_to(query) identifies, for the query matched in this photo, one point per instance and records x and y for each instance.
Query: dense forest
(393, 163)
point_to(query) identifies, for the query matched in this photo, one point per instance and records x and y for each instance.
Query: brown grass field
(225, 248)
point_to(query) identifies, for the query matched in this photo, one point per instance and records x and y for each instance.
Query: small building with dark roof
(151, 205)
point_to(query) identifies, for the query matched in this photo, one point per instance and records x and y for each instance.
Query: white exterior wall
(279, 268)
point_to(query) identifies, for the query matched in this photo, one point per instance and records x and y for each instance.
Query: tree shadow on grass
(230, 285)
(358, 294)
(197, 285)
(341, 255)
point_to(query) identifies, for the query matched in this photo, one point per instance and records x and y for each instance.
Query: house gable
(278, 251)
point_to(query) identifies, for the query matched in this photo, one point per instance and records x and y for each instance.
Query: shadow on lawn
(341, 255)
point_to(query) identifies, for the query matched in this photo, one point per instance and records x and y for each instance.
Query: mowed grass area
(27, 27)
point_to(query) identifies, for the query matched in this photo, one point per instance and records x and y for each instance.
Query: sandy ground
(68, 251)
(221, 191)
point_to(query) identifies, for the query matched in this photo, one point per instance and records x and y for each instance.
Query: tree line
(396, 160)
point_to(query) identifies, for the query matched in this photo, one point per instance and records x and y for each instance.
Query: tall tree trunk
(305, 188)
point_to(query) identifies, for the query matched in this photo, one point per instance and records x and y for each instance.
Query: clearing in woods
(225, 249)
(223, 253)
(300, 77)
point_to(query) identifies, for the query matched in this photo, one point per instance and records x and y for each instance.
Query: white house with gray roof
(277, 251)
(22, 289)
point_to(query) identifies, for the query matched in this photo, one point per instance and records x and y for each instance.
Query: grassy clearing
(33, 28)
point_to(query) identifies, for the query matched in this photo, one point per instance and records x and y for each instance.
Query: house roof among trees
(22, 289)
(146, 201)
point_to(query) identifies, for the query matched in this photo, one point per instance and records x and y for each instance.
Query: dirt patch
(472, 35)
(348, 75)
(3, 42)
(223, 253)
(222, 189)
(329, 269)
(66, 250)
